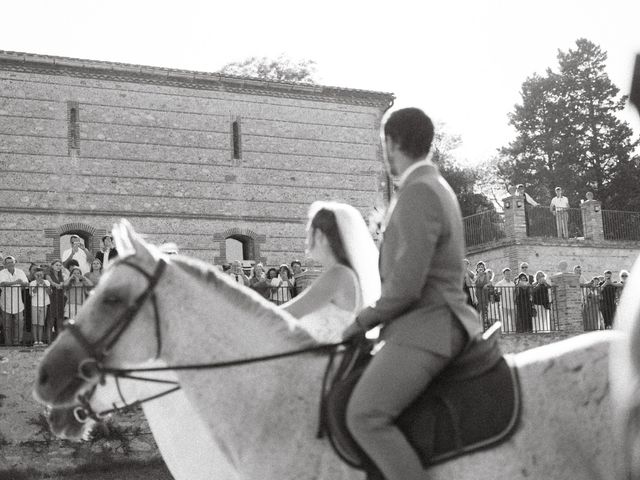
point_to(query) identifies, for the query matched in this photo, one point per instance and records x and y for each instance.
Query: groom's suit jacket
(421, 267)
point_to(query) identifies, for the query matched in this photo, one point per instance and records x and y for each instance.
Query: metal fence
(541, 222)
(34, 315)
(483, 227)
(599, 305)
(620, 225)
(520, 309)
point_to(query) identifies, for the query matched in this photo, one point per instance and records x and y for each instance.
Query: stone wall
(547, 254)
(156, 146)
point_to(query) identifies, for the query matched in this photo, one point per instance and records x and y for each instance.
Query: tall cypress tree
(569, 134)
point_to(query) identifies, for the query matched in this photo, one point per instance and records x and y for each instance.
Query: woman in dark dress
(524, 305)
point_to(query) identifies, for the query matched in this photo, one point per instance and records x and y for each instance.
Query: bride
(337, 238)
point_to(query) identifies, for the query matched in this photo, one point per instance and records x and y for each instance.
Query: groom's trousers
(394, 378)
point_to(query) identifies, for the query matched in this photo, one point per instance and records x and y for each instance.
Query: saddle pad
(452, 417)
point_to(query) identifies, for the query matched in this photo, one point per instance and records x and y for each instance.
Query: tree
(463, 180)
(568, 132)
(281, 69)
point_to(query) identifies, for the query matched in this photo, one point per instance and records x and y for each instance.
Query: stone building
(208, 161)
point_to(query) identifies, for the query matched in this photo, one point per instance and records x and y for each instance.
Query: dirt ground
(156, 470)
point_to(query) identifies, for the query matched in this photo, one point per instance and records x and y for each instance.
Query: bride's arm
(332, 285)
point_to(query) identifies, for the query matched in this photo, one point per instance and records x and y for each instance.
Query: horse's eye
(112, 299)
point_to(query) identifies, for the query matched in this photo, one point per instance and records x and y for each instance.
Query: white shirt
(11, 300)
(560, 203)
(504, 283)
(80, 257)
(414, 166)
(40, 297)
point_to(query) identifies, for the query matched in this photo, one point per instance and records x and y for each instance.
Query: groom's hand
(353, 330)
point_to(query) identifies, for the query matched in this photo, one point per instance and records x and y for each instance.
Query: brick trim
(92, 237)
(256, 240)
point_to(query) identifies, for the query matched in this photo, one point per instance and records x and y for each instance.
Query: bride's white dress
(327, 323)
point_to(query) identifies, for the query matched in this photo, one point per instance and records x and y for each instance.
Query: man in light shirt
(560, 208)
(12, 280)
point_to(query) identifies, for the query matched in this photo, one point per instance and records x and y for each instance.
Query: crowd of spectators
(35, 304)
(523, 302)
(278, 285)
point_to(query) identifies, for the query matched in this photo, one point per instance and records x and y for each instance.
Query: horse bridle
(98, 350)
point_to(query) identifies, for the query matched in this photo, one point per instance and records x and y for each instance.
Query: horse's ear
(127, 241)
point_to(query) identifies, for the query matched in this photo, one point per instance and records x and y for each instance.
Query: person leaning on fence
(524, 304)
(26, 299)
(40, 290)
(76, 286)
(258, 280)
(282, 285)
(297, 271)
(542, 301)
(482, 292)
(560, 208)
(503, 292)
(467, 284)
(56, 278)
(608, 299)
(592, 314)
(12, 280)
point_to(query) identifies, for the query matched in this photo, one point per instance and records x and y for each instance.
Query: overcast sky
(463, 62)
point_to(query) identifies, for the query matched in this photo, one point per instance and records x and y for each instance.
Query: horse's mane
(253, 306)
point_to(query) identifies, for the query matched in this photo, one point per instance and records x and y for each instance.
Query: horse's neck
(205, 326)
(262, 416)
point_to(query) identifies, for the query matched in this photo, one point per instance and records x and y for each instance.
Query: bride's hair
(325, 221)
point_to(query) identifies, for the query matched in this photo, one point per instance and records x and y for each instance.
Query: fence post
(515, 224)
(592, 220)
(568, 301)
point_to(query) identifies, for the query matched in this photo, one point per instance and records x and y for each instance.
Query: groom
(426, 320)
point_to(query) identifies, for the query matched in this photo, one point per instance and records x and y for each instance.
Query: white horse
(263, 416)
(625, 378)
(185, 444)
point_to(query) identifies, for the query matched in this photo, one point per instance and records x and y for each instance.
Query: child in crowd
(40, 289)
(76, 286)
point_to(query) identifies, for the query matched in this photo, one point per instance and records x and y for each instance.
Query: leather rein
(99, 350)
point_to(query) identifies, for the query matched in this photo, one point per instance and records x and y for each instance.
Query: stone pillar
(592, 220)
(515, 226)
(568, 300)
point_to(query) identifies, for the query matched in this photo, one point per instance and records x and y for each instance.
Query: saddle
(474, 403)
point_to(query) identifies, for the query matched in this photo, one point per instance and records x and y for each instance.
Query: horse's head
(117, 326)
